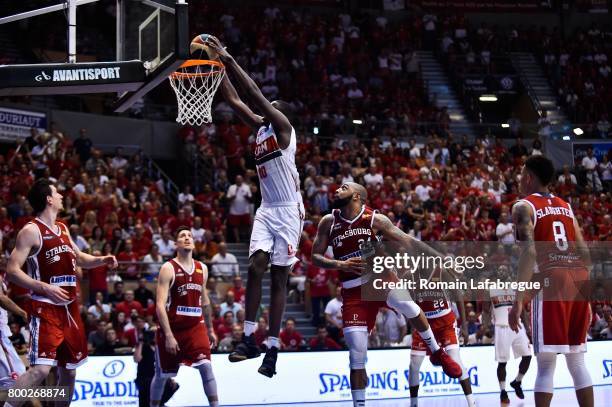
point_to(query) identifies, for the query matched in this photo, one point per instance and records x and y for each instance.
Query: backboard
(152, 41)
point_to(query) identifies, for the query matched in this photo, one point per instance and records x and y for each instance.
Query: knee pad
(456, 356)
(415, 366)
(208, 379)
(400, 301)
(546, 372)
(357, 342)
(578, 370)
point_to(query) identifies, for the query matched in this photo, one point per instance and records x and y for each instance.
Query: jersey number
(261, 170)
(559, 235)
(437, 304)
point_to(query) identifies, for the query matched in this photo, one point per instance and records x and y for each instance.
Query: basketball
(198, 44)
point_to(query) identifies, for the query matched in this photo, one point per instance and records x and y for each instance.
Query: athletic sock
(358, 397)
(249, 327)
(414, 402)
(430, 340)
(470, 400)
(273, 342)
(502, 385)
(519, 377)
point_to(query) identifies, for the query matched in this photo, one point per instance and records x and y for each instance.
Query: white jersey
(4, 315)
(501, 302)
(278, 176)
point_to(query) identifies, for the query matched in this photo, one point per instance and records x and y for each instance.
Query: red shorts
(194, 349)
(445, 331)
(239, 220)
(359, 312)
(559, 326)
(58, 335)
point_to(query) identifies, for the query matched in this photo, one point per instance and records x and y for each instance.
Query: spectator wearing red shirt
(128, 304)
(225, 329)
(141, 244)
(128, 255)
(319, 280)
(238, 290)
(97, 281)
(290, 338)
(322, 341)
(261, 333)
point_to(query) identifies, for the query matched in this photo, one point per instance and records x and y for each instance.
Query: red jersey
(55, 260)
(346, 237)
(553, 221)
(184, 305)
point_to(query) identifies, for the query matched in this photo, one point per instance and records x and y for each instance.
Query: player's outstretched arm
(27, 241)
(88, 261)
(522, 217)
(161, 298)
(280, 123)
(319, 247)
(245, 114)
(207, 309)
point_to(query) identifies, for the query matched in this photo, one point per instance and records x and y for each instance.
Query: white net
(195, 84)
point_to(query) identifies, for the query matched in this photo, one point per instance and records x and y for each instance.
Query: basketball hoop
(195, 84)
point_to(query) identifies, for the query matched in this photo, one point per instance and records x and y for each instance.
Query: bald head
(360, 189)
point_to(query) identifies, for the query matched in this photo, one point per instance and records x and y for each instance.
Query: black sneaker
(169, 390)
(246, 349)
(268, 366)
(503, 397)
(518, 389)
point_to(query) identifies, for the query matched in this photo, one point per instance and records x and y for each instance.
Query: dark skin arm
(242, 110)
(280, 123)
(523, 219)
(319, 247)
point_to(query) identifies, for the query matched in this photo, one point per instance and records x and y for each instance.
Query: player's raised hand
(214, 43)
(172, 345)
(111, 262)
(354, 264)
(55, 293)
(514, 317)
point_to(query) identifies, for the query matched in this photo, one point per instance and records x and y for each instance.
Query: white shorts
(11, 365)
(506, 338)
(277, 229)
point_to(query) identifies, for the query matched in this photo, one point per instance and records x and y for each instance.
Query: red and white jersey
(55, 260)
(501, 303)
(278, 176)
(346, 237)
(184, 304)
(553, 221)
(434, 303)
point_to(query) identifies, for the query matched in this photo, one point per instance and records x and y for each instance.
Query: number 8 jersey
(553, 221)
(55, 260)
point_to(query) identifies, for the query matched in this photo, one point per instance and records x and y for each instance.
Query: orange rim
(197, 62)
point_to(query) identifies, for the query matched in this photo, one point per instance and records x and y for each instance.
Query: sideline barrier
(320, 377)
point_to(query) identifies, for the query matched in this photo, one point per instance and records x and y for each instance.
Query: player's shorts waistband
(356, 282)
(281, 204)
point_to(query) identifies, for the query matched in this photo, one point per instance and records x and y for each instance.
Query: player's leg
(166, 366)
(209, 382)
(416, 360)
(357, 342)
(66, 378)
(521, 347)
(543, 389)
(400, 301)
(464, 380)
(582, 379)
(278, 297)
(502, 355)
(33, 377)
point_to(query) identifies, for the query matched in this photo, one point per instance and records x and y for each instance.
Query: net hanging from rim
(195, 84)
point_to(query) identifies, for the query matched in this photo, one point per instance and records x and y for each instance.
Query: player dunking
(441, 318)
(558, 324)
(57, 333)
(278, 222)
(183, 337)
(351, 224)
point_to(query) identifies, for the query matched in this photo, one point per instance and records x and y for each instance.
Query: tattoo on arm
(207, 310)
